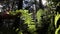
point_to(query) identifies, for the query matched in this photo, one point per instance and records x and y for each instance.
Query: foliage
(57, 30)
(27, 19)
(56, 19)
(20, 32)
(39, 14)
(52, 6)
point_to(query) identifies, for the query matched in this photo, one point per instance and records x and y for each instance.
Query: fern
(27, 19)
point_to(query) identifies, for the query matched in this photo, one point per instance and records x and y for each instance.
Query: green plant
(38, 15)
(57, 30)
(27, 19)
(56, 19)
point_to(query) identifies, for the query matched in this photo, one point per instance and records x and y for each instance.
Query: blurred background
(29, 16)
